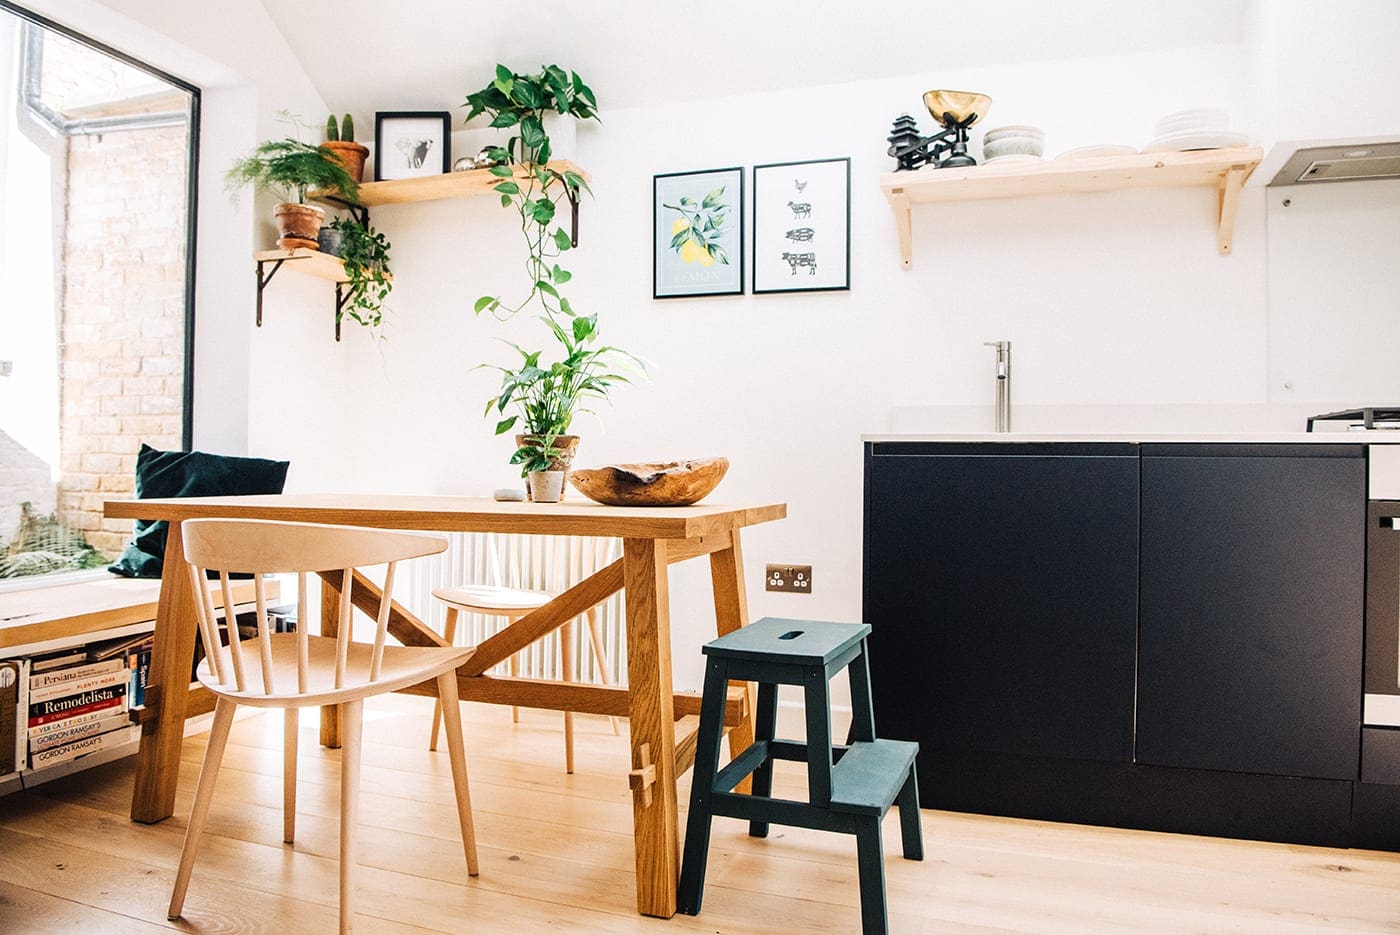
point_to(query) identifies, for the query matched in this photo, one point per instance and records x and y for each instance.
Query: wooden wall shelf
(307, 261)
(1222, 169)
(467, 184)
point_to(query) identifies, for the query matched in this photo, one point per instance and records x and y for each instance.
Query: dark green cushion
(162, 474)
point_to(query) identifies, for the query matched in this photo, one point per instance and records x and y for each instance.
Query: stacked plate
(1194, 129)
(1013, 144)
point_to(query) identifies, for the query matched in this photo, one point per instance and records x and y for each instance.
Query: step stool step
(778, 639)
(868, 777)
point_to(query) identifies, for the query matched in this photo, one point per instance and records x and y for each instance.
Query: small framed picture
(411, 144)
(698, 233)
(802, 226)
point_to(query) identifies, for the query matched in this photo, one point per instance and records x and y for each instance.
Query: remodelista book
(59, 708)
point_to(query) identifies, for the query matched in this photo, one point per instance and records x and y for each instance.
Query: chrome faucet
(1003, 383)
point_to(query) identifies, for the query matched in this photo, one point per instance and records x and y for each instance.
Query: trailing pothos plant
(540, 398)
(522, 101)
(365, 253)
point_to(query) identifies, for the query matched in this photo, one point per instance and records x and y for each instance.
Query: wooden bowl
(656, 483)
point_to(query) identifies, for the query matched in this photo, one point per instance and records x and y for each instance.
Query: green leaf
(503, 73)
(527, 93)
(562, 241)
(482, 302)
(508, 188)
(583, 327)
(505, 425)
(713, 197)
(546, 288)
(532, 131)
(505, 201)
(542, 211)
(681, 237)
(565, 307)
(687, 202)
(502, 172)
(561, 275)
(717, 253)
(505, 119)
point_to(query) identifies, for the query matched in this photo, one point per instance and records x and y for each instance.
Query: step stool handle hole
(792, 634)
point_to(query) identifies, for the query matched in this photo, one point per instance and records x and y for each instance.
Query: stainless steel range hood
(1311, 162)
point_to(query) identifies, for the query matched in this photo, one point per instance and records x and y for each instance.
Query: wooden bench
(45, 618)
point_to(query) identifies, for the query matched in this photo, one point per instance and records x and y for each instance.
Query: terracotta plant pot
(566, 443)
(298, 225)
(349, 154)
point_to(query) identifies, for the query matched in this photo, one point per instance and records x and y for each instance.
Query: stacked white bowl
(1016, 143)
(1203, 128)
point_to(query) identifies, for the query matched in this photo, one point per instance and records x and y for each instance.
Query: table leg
(651, 709)
(167, 688)
(731, 613)
(330, 626)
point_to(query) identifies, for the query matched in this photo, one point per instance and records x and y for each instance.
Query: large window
(96, 219)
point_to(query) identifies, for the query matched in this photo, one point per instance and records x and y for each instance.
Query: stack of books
(78, 700)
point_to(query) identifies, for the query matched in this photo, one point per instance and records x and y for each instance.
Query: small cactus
(332, 132)
(347, 128)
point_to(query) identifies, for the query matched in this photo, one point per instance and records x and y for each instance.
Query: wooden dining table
(663, 721)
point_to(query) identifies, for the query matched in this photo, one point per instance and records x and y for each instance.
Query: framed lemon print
(698, 233)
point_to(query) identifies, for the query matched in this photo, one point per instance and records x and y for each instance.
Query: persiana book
(43, 680)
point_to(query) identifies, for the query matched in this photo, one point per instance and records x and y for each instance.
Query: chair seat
(402, 666)
(485, 598)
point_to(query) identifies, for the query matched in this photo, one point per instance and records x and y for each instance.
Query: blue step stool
(849, 788)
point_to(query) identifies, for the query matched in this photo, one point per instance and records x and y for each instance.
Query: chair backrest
(261, 547)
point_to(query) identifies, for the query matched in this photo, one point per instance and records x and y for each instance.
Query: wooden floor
(556, 854)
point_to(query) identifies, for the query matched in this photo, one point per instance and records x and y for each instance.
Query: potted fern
(289, 168)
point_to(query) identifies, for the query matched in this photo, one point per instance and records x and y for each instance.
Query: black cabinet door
(1253, 579)
(1000, 582)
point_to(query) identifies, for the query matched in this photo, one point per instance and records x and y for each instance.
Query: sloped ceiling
(368, 55)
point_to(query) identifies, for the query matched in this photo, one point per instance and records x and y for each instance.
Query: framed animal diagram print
(412, 144)
(802, 226)
(698, 233)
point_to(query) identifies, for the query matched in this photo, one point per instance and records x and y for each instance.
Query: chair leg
(456, 749)
(514, 673)
(765, 725)
(600, 656)
(870, 856)
(911, 831)
(351, 726)
(691, 889)
(449, 633)
(566, 669)
(203, 795)
(291, 723)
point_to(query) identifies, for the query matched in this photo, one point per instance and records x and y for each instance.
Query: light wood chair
(295, 670)
(514, 603)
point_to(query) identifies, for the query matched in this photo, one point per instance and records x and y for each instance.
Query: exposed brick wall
(122, 334)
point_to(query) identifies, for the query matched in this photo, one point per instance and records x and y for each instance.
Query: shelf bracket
(359, 211)
(1230, 186)
(573, 206)
(904, 224)
(341, 297)
(263, 281)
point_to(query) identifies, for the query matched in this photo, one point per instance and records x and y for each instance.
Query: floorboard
(556, 853)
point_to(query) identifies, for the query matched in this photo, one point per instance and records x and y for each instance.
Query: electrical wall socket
(794, 578)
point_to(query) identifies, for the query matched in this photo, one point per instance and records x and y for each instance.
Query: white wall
(1107, 297)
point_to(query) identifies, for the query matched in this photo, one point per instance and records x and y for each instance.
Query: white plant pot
(546, 486)
(562, 130)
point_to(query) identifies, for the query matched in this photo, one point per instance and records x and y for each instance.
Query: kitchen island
(1164, 632)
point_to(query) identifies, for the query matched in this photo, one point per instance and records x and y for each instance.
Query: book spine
(68, 734)
(137, 698)
(67, 676)
(71, 751)
(11, 681)
(64, 689)
(113, 701)
(77, 720)
(45, 663)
